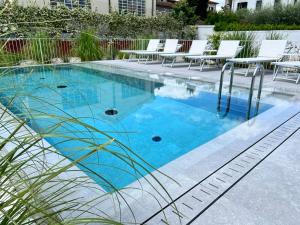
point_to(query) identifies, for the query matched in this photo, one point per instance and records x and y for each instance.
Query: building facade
(139, 7)
(256, 4)
(166, 6)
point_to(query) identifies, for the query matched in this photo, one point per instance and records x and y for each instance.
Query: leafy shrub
(185, 13)
(273, 35)
(246, 27)
(18, 21)
(222, 16)
(279, 18)
(40, 48)
(246, 40)
(88, 47)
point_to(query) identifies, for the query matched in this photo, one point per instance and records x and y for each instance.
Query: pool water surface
(158, 120)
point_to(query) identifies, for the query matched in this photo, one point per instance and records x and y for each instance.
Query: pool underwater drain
(111, 112)
(61, 86)
(42, 78)
(156, 138)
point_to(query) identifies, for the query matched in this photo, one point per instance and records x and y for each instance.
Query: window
(258, 4)
(132, 6)
(71, 3)
(242, 5)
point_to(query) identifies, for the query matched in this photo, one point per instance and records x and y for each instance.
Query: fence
(44, 51)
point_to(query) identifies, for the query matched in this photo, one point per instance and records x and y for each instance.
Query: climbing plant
(18, 21)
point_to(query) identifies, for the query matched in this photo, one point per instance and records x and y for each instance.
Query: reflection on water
(159, 118)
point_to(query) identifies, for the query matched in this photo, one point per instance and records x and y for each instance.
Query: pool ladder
(259, 70)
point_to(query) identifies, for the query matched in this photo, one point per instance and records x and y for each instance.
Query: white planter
(204, 31)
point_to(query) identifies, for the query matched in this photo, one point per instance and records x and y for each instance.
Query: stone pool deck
(268, 194)
(209, 75)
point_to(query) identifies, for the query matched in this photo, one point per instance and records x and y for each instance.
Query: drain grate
(190, 205)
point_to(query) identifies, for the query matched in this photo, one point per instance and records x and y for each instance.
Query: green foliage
(8, 59)
(88, 46)
(246, 40)
(253, 27)
(185, 13)
(225, 17)
(279, 18)
(200, 7)
(25, 21)
(40, 48)
(190, 32)
(273, 35)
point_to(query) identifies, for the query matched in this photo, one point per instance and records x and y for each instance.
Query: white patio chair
(270, 51)
(153, 45)
(171, 46)
(288, 75)
(197, 48)
(227, 50)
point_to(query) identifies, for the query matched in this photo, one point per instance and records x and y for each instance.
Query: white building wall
(100, 6)
(114, 5)
(251, 4)
(148, 7)
(38, 3)
(265, 3)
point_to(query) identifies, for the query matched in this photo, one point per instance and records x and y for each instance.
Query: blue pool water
(158, 120)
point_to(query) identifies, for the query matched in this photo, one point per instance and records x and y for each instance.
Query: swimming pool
(159, 119)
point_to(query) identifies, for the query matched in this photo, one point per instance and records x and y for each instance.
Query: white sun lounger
(270, 51)
(227, 50)
(171, 46)
(197, 49)
(287, 75)
(153, 45)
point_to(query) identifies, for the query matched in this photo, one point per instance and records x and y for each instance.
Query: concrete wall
(204, 31)
(148, 7)
(100, 6)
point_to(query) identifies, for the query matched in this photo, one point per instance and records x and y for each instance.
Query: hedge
(253, 27)
(278, 18)
(17, 21)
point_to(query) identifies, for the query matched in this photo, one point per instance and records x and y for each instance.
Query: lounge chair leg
(202, 65)
(173, 62)
(298, 80)
(276, 73)
(247, 71)
(146, 59)
(163, 61)
(191, 61)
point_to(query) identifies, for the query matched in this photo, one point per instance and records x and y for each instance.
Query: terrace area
(149, 112)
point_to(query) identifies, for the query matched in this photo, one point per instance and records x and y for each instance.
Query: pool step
(190, 205)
